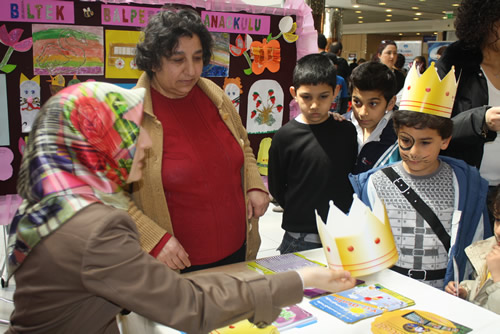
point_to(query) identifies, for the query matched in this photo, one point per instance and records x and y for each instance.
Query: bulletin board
(47, 45)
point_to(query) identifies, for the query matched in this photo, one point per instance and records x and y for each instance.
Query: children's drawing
(265, 106)
(21, 145)
(241, 48)
(56, 83)
(67, 50)
(11, 39)
(233, 89)
(4, 112)
(263, 155)
(29, 90)
(219, 64)
(265, 55)
(6, 158)
(120, 53)
(287, 30)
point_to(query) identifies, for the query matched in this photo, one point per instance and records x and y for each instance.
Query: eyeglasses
(387, 41)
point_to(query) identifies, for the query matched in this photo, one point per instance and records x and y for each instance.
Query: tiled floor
(271, 232)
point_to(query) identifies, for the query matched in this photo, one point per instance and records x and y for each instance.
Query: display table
(426, 299)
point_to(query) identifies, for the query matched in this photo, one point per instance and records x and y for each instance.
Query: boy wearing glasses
(435, 204)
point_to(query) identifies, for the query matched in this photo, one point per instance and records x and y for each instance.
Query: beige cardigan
(149, 208)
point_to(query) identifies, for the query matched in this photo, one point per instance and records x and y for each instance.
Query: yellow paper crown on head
(361, 242)
(427, 93)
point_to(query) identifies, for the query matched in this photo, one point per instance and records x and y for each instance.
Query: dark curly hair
(418, 120)
(161, 37)
(476, 21)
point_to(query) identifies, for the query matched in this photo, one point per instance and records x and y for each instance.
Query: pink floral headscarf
(79, 152)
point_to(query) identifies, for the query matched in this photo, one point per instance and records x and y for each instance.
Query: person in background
(484, 256)
(476, 112)
(199, 201)
(341, 101)
(361, 61)
(440, 51)
(311, 156)
(353, 65)
(74, 251)
(343, 68)
(420, 62)
(400, 63)
(321, 43)
(387, 53)
(372, 88)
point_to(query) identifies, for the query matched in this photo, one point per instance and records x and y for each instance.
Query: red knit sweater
(201, 174)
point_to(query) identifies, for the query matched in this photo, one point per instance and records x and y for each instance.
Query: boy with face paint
(451, 189)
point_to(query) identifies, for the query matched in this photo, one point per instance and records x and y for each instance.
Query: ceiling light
(416, 18)
(388, 10)
(388, 15)
(387, 20)
(445, 17)
(400, 34)
(360, 21)
(382, 3)
(418, 34)
(418, 14)
(355, 6)
(435, 33)
(414, 7)
(358, 12)
(455, 4)
(360, 17)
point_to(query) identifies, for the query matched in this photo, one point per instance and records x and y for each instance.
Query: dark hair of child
(373, 76)
(418, 120)
(495, 202)
(314, 69)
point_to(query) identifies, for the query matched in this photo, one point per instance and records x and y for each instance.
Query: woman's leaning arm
(196, 304)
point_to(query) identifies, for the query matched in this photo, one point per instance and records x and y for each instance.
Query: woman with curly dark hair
(199, 202)
(476, 112)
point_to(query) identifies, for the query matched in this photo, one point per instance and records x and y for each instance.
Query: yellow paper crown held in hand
(361, 242)
(427, 93)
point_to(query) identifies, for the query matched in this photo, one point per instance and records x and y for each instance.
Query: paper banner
(6, 158)
(29, 90)
(120, 54)
(265, 107)
(67, 50)
(233, 89)
(4, 113)
(37, 11)
(219, 64)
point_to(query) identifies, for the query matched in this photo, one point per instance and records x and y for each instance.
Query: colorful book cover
(281, 263)
(293, 316)
(362, 301)
(416, 321)
(245, 327)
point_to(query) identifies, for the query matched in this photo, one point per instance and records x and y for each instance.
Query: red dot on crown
(427, 90)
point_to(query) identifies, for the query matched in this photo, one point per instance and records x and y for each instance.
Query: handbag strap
(419, 205)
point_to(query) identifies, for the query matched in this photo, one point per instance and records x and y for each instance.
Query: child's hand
(326, 279)
(452, 290)
(493, 263)
(336, 116)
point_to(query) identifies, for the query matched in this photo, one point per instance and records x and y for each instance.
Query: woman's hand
(493, 263)
(258, 201)
(174, 255)
(492, 118)
(327, 279)
(452, 290)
